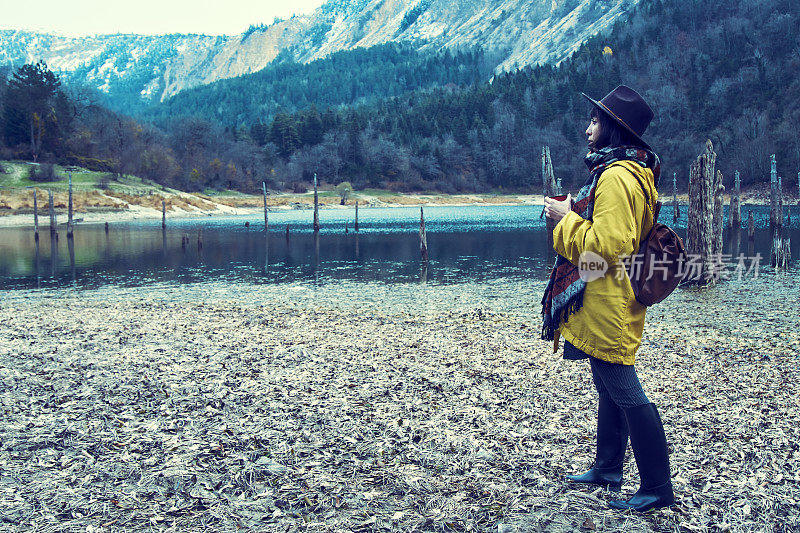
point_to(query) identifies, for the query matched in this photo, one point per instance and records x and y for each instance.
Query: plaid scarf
(564, 293)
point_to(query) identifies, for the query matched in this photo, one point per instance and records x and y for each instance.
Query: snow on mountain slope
(519, 32)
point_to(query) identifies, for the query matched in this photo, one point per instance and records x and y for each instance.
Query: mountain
(517, 32)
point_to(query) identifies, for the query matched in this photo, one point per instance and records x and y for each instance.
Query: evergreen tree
(31, 107)
(283, 133)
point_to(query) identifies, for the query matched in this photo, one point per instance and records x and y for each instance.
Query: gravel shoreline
(143, 410)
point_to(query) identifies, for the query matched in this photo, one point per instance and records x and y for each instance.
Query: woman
(599, 318)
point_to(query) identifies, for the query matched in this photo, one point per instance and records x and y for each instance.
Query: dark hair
(611, 133)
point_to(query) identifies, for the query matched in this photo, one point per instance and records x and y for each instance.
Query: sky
(89, 17)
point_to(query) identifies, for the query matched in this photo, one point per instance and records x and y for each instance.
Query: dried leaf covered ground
(150, 410)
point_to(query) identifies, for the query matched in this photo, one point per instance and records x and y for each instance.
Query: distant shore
(97, 207)
(16, 207)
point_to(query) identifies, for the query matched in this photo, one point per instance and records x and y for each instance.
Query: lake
(474, 244)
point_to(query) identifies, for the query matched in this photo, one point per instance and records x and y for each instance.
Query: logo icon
(591, 266)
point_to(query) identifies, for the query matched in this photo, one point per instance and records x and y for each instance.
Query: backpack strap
(646, 196)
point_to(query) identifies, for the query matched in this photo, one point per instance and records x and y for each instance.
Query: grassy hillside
(17, 176)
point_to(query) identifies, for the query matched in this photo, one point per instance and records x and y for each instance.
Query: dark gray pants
(619, 382)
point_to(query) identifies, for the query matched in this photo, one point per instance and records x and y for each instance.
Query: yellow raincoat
(609, 324)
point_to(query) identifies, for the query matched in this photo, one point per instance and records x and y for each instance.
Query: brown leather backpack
(659, 265)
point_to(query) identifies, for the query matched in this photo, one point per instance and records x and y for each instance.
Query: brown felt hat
(628, 109)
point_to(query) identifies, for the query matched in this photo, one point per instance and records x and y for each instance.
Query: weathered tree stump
(735, 208)
(676, 210)
(53, 229)
(700, 225)
(35, 216)
(798, 188)
(773, 192)
(69, 208)
(781, 250)
(266, 216)
(316, 206)
(719, 188)
(549, 187)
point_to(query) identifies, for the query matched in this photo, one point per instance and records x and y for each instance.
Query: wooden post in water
(356, 226)
(719, 188)
(548, 185)
(786, 251)
(106, 228)
(781, 249)
(35, 216)
(789, 203)
(266, 216)
(423, 237)
(780, 202)
(774, 254)
(200, 239)
(788, 212)
(751, 227)
(675, 210)
(735, 209)
(548, 179)
(773, 193)
(798, 188)
(69, 209)
(699, 225)
(163, 214)
(316, 206)
(53, 229)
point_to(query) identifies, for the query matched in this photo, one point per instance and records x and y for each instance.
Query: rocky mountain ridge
(517, 32)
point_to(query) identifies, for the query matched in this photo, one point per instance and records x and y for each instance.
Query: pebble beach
(379, 408)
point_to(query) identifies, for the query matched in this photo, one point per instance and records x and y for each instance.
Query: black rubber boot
(612, 440)
(650, 450)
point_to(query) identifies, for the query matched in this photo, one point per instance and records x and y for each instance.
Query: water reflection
(53, 253)
(465, 244)
(266, 252)
(71, 246)
(735, 243)
(36, 263)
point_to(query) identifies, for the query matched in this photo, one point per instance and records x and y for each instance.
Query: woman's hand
(555, 210)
